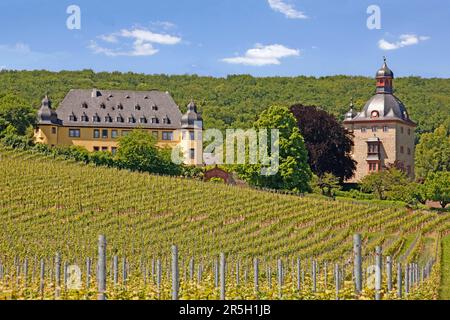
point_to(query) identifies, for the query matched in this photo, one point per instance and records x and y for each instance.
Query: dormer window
(73, 117)
(84, 105)
(166, 120)
(146, 98)
(96, 118)
(143, 120)
(155, 120)
(84, 118)
(120, 106)
(131, 120)
(108, 118)
(375, 114)
(127, 97)
(102, 106)
(137, 107)
(154, 107)
(120, 119)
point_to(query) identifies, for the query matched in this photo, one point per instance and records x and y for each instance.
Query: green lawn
(445, 284)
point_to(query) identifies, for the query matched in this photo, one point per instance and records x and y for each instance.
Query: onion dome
(46, 115)
(190, 118)
(385, 72)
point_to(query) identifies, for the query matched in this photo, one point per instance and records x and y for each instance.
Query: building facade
(384, 134)
(95, 119)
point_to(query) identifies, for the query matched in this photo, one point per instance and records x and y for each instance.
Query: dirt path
(444, 293)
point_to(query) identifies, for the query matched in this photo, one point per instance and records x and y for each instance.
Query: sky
(222, 37)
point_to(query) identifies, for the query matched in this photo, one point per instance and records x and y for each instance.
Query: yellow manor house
(95, 119)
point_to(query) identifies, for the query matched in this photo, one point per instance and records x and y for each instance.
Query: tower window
(409, 151)
(373, 167)
(374, 129)
(192, 154)
(402, 149)
(363, 130)
(409, 132)
(402, 130)
(386, 129)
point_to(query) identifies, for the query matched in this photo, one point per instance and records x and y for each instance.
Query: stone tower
(383, 132)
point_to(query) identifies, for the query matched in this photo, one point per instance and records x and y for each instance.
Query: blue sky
(217, 38)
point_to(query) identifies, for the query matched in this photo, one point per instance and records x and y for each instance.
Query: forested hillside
(236, 101)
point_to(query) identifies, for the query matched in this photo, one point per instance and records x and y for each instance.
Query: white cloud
(148, 36)
(264, 55)
(142, 43)
(19, 47)
(404, 41)
(287, 9)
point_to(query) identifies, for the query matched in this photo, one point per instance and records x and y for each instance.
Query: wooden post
(124, 271)
(116, 270)
(407, 279)
(216, 273)
(57, 275)
(314, 276)
(280, 278)
(379, 272)
(399, 280)
(222, 276)
(337, 280)
(42, 278)
(158, 277)
(299, 269)
(101, 276)
(88, 272)
(237, 272)
(175, 273)
(191, 269)
(255, 275)
(357, 262)
(389, 273)
(25, 273)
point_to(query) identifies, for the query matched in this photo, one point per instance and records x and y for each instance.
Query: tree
(438, 187)
(433, 152)
(329, 144)
(137, 151)
(387, 184)
(327, 184)
(293, 172)
(15, 112)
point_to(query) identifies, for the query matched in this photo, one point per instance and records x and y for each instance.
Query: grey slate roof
(388, 106)
(115, 104)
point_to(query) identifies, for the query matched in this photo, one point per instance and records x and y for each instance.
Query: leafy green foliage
(433, 152)
(236, 101)
(15, 112)
(438, 187)
(294, 172)
(387, 184)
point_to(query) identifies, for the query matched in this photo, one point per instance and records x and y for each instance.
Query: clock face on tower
(375, 114)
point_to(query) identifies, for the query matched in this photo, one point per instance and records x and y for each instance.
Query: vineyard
(276, 246)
